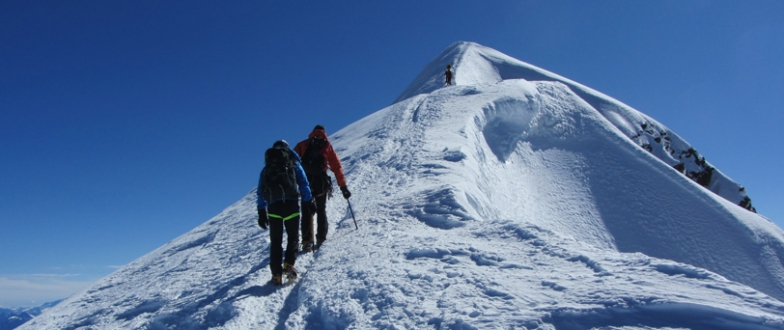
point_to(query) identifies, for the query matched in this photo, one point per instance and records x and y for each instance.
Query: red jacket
(333, 162)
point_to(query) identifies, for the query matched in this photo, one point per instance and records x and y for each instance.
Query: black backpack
(279, 177)
(313, 161)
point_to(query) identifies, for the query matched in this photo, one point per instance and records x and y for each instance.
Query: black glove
(311, 206)
(346, 193)
(263, 219)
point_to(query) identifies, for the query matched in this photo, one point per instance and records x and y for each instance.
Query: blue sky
(127, 124)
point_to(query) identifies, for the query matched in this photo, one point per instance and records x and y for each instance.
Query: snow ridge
(500, 202)
(475, 64)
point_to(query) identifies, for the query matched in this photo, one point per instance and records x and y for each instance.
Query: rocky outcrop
(686, 160)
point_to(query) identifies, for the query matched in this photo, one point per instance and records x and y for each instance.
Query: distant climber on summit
(448, 74)
(281, 183)
(317, 155)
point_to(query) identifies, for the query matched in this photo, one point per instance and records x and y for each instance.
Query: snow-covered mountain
(11, 318)
(481, 65)
(514, 199)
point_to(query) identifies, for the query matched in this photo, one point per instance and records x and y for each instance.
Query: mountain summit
(478, 65)
(515, 198)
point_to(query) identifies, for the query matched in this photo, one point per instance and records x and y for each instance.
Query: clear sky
(126, 124)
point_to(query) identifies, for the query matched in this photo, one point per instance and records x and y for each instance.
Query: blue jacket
(302, 182)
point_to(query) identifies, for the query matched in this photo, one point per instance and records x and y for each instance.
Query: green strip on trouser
(286, 218)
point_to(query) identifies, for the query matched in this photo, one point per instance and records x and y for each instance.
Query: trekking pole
(352, 214)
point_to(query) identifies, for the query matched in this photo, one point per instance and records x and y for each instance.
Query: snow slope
(476, 65)
(515, 199)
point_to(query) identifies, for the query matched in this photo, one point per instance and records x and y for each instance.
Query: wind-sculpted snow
(478, 65)
(504, 204)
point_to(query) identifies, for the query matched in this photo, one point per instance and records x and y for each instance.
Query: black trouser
(277, 212)
(323, 224)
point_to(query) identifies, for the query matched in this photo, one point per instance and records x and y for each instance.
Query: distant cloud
(34, 289)
(49, 284)
(54, 275)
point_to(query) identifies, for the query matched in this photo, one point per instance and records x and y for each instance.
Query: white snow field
(516, 199)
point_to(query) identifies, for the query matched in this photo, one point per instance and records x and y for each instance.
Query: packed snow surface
(516, 199)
